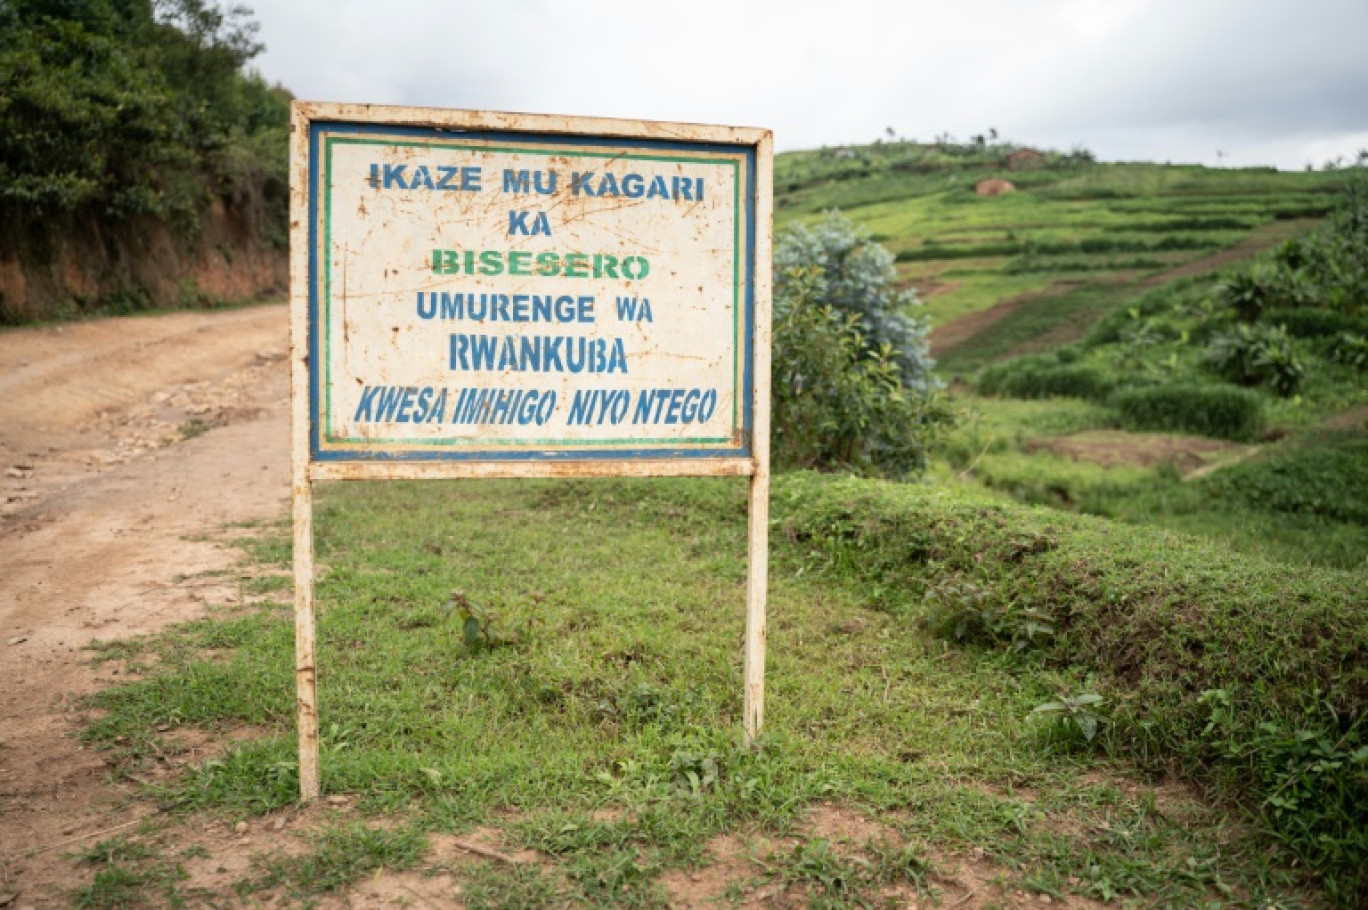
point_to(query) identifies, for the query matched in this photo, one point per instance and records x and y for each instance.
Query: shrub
(1039, 378)
(123, 107)
(1248, 294)
(1306, 322)
(1256, 355)
(1350, 350)
(857, 277)
(1203, 408)
(1334, 260)
(837, 404)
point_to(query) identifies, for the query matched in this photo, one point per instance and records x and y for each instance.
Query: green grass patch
(1075, 307)
(498, 887)
(342, 855)
(1207, 409)
(1323, 475)
(1300, 503)
(616, 681)
(128, 873)
(1169, 622)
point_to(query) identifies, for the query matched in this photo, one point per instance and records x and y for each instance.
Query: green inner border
(325, 176)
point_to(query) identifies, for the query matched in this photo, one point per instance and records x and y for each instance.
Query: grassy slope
(1309, 513)
(1077, 238)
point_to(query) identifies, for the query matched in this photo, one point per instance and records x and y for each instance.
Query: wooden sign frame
(319, 454)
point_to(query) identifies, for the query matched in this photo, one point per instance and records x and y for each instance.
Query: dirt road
(123, 443)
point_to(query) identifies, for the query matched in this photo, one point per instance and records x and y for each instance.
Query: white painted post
(301, 485)
(306, 676)
(757, 580)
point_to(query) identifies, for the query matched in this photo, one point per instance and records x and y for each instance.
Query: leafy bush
(1351, 350)
(126, 108)
(1203, 408)
(1257, 355)
(1326, 269)
(1333, 261)
(856, 276)
(837, 404)
(1307, 322)
(1248, 293)
(1044, 377)
(1327, 478)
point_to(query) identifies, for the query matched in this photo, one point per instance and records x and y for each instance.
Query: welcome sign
(478, 294)
(524, 294)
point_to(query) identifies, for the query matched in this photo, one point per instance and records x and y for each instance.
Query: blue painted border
(316, 452)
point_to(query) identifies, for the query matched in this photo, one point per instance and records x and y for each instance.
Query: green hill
(1035, 267)
(1181, 347)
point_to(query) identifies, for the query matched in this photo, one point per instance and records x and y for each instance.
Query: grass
(1158, 498)
(595, 719)
(1296, 501)
(1033, 321)
(498, 887)
(830, 877)
(342, 854)
(129, 873)
(614, 686)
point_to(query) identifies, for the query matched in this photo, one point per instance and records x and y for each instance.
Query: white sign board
(501, 295)
(479, 294)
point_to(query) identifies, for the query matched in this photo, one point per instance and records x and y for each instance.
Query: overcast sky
(1236, 82)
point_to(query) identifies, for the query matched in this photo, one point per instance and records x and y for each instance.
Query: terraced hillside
(1035, 267)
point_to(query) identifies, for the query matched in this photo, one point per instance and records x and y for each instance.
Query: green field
(1075, 240)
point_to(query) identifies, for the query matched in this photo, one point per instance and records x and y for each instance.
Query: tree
(852, 382)
(856, 276)
(128, 107)
(836, 405)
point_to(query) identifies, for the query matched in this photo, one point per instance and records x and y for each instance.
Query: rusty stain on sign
(479, 294)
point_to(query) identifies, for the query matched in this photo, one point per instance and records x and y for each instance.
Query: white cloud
(1258, 79)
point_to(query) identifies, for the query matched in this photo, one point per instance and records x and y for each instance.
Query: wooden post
(757, 578)
(306, 676)
(301, 485)
(754, 708)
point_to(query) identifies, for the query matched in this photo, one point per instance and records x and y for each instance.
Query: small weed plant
(1314, 780)
(1258, 355)
(968, 612)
